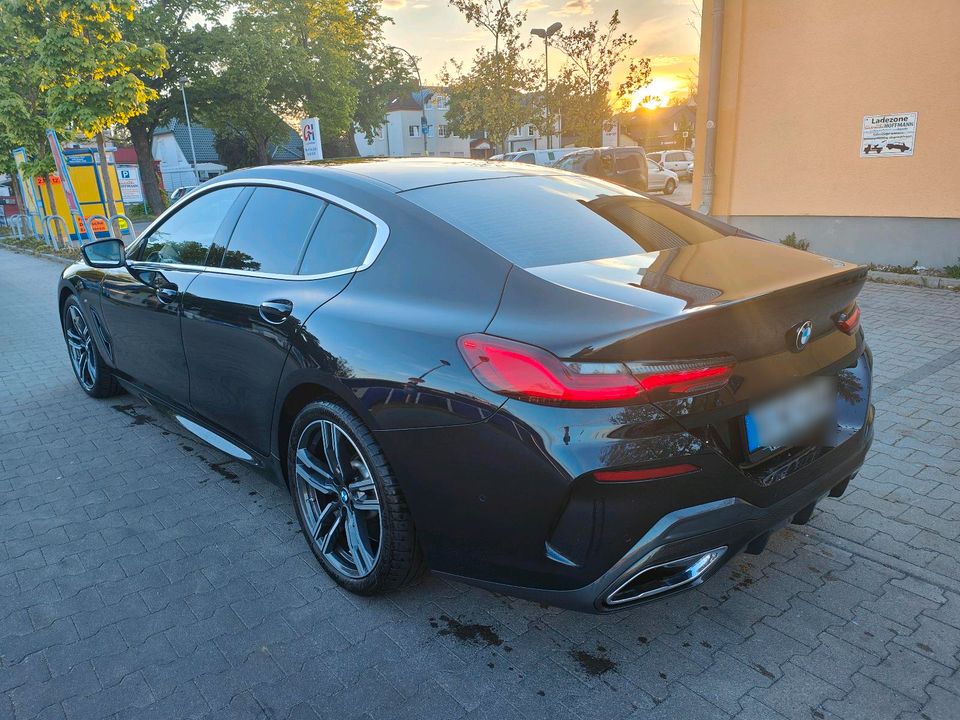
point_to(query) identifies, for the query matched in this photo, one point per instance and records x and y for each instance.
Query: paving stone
(137, 582)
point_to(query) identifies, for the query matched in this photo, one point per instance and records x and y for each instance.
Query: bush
(37, 247)
(793, 241)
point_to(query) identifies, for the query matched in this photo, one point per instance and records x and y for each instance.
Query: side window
(271, 231)
(341, 240)
(525, 158)
(675, 157)
(627, 161)
(185, 237)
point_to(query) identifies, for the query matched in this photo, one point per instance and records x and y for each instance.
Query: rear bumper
(732, 523)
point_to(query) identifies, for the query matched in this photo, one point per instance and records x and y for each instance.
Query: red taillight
(848, 321)
(530, 373)
(645, 474)
(683, 377)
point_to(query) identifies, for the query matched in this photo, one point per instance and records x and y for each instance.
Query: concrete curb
(45, 256)
(927, 281)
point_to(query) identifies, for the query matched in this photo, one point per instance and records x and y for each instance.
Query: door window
(271, 231)
(341, 241)
(185, 237)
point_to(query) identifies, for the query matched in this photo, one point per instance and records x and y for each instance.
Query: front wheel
(88, 366)
(669, 187)
(350, 507)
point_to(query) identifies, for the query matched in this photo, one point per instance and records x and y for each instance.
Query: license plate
(788, 419)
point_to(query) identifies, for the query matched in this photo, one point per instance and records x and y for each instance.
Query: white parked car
(540, 157)
(659, 178)
(680, 161)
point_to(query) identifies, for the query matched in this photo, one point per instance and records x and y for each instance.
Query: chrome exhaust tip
(664, 577)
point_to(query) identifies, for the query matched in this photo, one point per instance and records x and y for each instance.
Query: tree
(189, 59)
(490, 96)
(24, 112)
(381, 73)
(279, 59)
(583, 89)
(92, 76)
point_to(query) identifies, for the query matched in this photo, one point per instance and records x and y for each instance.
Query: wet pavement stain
(591, 663)
(474, 632)
(223, 472)
(132, 412)
(763, 671)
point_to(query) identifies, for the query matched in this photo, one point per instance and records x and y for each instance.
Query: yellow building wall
(797, 77)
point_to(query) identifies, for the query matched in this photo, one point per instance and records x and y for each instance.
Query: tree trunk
(142, 139)
(110, 205)
(58, 228)
(263, 152)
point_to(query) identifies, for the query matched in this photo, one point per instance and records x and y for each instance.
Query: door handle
(275, 311)
(168, 293)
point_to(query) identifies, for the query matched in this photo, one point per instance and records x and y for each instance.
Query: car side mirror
(107, 253)
(660, 165)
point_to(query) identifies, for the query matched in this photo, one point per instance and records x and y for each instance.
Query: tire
(669, 187)
(91, 371)
(365, 552)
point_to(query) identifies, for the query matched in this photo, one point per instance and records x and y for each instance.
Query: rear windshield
(535, 221)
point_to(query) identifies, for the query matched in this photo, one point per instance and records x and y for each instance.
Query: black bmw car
(527, 379)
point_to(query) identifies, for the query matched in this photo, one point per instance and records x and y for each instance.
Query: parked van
(540, 157)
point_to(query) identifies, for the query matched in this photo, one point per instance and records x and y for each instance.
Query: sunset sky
(435, 32)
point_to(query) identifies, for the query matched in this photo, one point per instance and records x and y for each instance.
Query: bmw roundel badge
(802, 336)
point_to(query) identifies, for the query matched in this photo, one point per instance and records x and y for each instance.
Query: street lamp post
(546, 34)
(186, 111)
(424, 123)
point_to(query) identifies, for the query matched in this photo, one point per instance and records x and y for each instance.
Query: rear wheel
(88, 366)
(669, 187)
(350, 507)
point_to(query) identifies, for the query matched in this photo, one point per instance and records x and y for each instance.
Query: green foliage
(489, 96)
(793, 241)
(381, 72)
(584, 92)
(952, 271)
(278, 59)
(92, 76)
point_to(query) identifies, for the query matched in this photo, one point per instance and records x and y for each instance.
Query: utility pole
(424, 123)
(186, 111)
(546, 34)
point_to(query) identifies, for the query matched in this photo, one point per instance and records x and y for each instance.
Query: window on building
(414, 130)
(441, 131)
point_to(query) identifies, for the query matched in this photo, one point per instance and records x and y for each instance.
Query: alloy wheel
(80, 344)
(338, 499)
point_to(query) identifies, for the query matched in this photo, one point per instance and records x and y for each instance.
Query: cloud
(531, 5)
(575, 7)
(394, 4)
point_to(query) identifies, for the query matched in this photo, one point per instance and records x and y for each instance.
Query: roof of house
(289, 150)
(202, 140)
(125, 155)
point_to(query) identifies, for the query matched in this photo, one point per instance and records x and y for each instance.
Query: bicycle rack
(128, 221)
(51, 235)
(91, 233)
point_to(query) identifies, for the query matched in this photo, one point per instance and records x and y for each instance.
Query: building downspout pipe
(713, 104)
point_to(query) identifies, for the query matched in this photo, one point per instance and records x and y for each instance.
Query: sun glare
(658, 93)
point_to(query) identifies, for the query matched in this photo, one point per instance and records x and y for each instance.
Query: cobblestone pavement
(143, 575)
